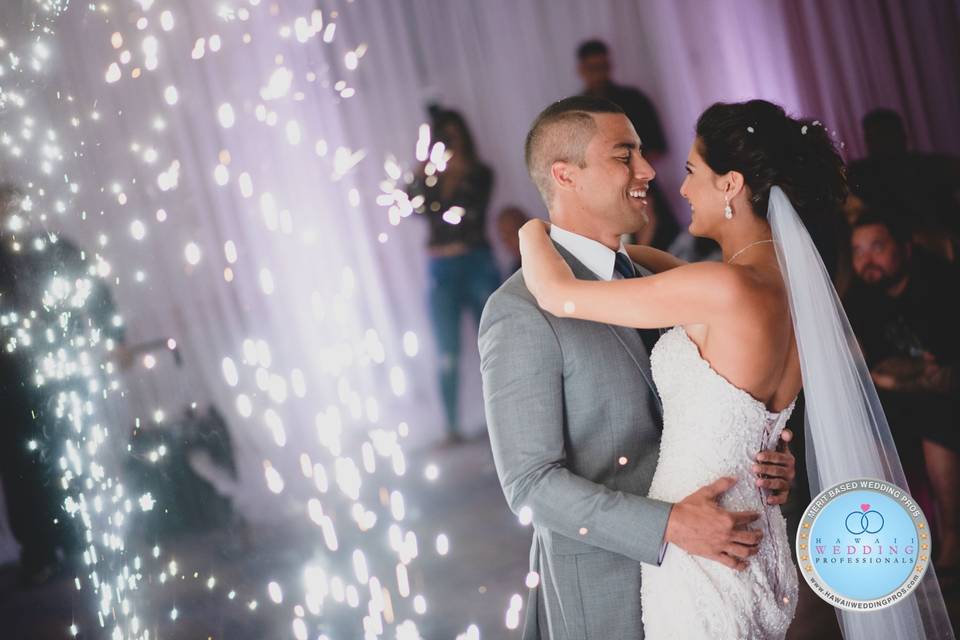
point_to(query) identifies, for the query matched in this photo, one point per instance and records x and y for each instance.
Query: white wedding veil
(847, 435)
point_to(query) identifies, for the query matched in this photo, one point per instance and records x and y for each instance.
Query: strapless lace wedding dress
(713, 429)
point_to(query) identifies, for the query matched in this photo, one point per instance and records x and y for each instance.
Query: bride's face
(702, 189)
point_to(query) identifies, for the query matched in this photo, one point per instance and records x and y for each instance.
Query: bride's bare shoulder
(761, 287)
(740, 291)
(718, 279)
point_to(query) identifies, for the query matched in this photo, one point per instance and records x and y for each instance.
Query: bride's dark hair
(759, 140)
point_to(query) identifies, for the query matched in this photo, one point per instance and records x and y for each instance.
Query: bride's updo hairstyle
(759, 140)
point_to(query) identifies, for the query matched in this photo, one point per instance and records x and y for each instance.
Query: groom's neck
(583, 225)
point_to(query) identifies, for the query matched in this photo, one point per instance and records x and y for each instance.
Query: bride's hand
(544, 271)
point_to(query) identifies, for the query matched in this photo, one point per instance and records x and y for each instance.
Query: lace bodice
(713, 429)
(710, 427)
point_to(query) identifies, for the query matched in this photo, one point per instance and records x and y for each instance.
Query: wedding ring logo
(863, 544)
(866, 520)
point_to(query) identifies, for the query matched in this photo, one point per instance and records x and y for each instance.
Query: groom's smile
(615, 164)
(639, 196)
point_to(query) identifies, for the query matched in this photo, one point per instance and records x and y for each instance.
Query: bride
(747, 334)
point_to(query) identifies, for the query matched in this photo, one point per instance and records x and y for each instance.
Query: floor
(472, 584)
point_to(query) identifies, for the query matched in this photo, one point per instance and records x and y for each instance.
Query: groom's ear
(563, 174)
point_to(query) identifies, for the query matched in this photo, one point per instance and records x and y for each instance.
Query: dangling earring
(727, 209)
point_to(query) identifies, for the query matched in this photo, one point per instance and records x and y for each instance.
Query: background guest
(462, 270)
(922, 188)
(594, 67)
(904, 308)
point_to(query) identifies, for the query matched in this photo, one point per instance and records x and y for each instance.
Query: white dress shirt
(595, 256)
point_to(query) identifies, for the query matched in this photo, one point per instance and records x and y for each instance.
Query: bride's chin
(695, 229)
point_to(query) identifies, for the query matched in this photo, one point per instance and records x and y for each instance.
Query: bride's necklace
(752, 244)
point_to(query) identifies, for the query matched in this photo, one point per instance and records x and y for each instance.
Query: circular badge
(863, 544)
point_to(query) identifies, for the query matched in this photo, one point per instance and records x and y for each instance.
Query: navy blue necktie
(624, 266)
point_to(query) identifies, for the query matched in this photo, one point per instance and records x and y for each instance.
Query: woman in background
(462, 270)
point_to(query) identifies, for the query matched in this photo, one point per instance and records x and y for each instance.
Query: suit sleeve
(522, 366)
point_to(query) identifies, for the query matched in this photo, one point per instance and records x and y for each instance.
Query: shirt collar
(594, 255)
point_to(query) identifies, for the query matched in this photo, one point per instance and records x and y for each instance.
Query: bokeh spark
(322, 410)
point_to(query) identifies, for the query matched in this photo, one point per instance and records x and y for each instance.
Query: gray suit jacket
(574, 422)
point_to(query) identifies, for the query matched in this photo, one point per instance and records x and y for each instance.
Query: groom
(573, 415)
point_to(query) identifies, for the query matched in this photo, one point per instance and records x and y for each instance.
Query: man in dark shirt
(594, 66)
(905, 312)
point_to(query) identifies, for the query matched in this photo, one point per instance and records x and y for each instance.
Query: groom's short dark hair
(562, 132)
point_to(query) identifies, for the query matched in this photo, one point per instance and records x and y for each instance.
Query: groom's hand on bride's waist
(775, 469)
(699, 526)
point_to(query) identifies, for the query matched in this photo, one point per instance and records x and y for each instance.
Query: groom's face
(614, 180)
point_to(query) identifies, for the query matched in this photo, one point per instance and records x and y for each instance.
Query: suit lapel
(635, 348)
(629, 338)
